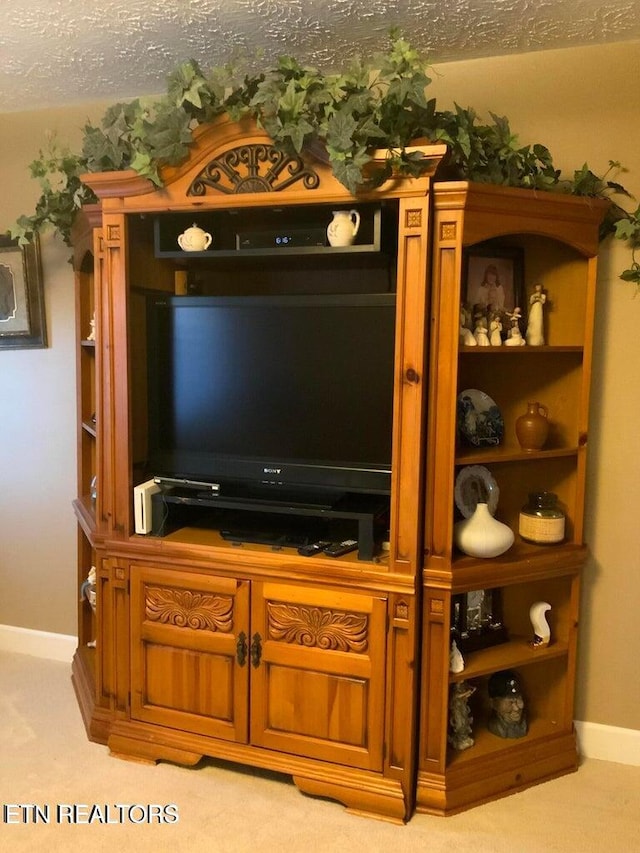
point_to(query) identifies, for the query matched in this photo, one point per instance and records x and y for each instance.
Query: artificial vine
(380, 103)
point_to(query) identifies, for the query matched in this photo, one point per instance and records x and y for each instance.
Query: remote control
(337, 549)
(313, 548)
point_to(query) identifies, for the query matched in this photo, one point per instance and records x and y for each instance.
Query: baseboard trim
(608, 743)
(39, 644)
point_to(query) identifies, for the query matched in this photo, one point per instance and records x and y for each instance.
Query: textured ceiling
(55, 52)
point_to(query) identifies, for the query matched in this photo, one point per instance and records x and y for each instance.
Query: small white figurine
(92, 334)
(480, 332)
(515, 338)
(466, 335)
(535, 332)
(541, 630)
(495, 327)
(456, 661)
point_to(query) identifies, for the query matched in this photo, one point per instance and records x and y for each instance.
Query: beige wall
(584, 104)
(37, 408)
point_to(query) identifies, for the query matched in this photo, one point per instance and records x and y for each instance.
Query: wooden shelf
(90, 427)
(239, 254)
(226, 228)
(487, 744)
(510, 453)
(511, 351)
(516, 652)
(521, 563)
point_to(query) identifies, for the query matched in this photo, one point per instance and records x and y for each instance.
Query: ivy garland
(381, 103)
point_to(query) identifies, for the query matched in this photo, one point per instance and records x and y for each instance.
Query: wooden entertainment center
(332, 670)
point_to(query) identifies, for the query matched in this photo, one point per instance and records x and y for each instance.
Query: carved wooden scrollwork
(253, 169)
(315, 626)
(187, 609)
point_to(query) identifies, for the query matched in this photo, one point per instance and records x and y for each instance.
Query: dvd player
(281, 239)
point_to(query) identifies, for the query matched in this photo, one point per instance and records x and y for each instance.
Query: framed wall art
(22, 314)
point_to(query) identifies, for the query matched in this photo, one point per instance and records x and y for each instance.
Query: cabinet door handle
(241, 649)
(256, 650)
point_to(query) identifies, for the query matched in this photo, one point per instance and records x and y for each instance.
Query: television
(285, 392)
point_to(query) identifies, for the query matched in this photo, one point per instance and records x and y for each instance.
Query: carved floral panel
(185, 608)
(318, 627)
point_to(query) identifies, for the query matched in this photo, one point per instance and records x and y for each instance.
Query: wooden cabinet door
(317, 682)
(189, 668)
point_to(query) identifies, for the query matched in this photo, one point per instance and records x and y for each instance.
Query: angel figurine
(515, 338)
(466, 335)
(535, 333)
(480, 332)
(495, 329)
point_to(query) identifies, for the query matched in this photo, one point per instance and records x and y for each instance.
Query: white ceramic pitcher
(343, 228)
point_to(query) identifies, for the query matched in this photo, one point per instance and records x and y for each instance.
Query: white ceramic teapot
(343, 228)
(194, 239)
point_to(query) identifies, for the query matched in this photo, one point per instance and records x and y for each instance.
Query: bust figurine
(507, 718)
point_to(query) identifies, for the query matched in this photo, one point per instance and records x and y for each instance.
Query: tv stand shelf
(279, 231)
(280, 520)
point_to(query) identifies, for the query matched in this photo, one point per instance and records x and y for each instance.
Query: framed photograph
(22, 315)
(493, 284)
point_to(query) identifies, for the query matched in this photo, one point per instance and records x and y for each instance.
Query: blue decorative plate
(480, 421)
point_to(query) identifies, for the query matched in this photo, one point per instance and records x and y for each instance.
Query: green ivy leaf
(340, 130)
(169, 136)
(293, 101)
(349, 174)
(101, 152)
(632, 274)
(187, 83)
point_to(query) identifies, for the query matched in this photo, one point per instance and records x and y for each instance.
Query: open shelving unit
(557, 237)
(87, 265)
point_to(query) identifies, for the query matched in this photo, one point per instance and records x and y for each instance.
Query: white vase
(481, 535)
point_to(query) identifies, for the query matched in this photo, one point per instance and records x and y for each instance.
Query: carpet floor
(59, 792)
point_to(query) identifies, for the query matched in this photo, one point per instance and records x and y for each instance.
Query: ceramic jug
(343, 228)
(532, 428)
(194, 239)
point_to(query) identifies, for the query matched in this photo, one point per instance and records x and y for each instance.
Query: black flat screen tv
(278, 391)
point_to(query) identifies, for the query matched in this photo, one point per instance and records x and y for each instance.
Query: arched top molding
(238, 159)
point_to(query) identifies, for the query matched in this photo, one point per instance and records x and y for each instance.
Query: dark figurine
(460, 719)
(507, 718)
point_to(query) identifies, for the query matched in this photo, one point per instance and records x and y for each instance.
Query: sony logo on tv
(272, 470)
